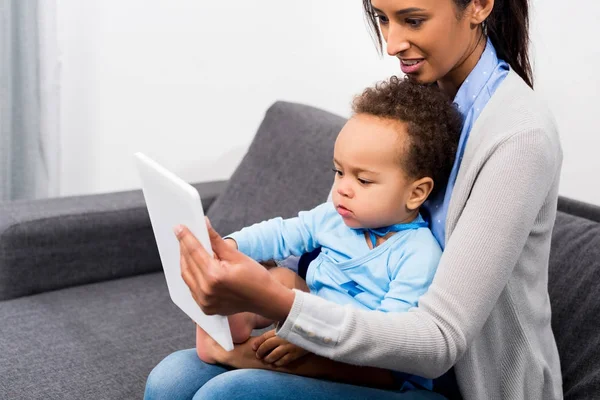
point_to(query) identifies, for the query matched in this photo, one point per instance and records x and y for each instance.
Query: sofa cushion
(574, 287)
(52, 347)
(286, 169)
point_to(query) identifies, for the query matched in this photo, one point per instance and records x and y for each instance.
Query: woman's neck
(452, 81)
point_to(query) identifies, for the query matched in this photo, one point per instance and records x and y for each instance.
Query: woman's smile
(410, 66)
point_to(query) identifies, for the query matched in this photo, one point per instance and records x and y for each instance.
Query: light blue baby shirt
(390, 278)
(471, 98)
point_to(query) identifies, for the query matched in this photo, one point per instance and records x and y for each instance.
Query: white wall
(567, 65)
(188, 81)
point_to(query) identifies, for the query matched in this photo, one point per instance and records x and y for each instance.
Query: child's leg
(242, 324)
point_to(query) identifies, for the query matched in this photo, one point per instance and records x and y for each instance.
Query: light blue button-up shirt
(471, 99)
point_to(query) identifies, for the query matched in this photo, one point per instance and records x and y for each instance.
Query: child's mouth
(343, 211)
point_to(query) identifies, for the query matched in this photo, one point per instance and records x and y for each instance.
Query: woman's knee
(179, 375)
(164, 377)
(240, 384)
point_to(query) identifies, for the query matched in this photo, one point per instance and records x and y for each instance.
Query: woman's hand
(230, 282)
(230, 242)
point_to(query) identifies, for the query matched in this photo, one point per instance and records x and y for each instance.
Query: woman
(487, 313)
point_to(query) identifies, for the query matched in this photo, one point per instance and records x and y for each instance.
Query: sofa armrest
(579, 208)
(51, 244)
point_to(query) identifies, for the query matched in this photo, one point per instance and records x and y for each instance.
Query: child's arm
(280, 238)
(412, 276)
(267, 264)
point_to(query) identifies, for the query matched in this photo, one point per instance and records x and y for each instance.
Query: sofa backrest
(574, 287)
(287, 168)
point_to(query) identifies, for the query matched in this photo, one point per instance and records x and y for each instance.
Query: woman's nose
(396, 40)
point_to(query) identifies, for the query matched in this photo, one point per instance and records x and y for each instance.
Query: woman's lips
(411, 66)
(344, 212)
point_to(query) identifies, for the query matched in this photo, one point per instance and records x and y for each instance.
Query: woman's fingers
(193, 247)
(195, 274)
(191, 276)
(186, 274)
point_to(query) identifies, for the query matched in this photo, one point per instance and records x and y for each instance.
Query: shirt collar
(417, 223)
(477, 79)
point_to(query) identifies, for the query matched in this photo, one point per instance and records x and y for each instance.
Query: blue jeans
(182, 375)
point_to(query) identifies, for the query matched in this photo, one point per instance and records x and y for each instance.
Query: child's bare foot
(204, 346)
(241, 326)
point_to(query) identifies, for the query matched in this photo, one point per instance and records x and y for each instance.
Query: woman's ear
(480, 10)
(419, 193)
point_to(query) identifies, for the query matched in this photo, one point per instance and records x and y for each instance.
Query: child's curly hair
(433, 124)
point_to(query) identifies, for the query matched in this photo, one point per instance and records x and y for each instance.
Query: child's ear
(419, 193)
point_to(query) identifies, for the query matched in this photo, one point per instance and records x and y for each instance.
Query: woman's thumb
(219, 247)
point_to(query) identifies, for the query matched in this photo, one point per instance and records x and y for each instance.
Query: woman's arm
(506, 198)
(477, 263)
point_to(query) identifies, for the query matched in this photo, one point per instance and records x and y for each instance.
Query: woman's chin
(421, 78)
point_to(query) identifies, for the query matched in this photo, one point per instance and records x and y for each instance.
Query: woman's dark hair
(507, 28)
(433, 124)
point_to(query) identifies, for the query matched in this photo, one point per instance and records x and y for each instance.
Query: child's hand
(274, 350)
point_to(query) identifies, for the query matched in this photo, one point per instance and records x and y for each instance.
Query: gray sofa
(84, 309)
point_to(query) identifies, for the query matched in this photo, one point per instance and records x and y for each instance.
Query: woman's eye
(382, 19)
(413, 22)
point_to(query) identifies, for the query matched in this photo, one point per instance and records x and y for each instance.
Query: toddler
(377, 251)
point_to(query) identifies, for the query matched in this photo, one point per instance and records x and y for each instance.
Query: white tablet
(170, 202)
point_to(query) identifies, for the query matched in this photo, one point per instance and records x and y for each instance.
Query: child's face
(371, 189)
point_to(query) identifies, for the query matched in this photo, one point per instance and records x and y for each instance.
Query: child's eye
(414, 22)
(364, 182)
(337, 171)
(383, 20)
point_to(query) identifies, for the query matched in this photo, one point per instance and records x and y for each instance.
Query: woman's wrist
(279, 301)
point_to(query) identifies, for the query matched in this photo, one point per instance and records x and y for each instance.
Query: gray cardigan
(487, 312)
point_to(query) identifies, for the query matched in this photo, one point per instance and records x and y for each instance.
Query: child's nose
(344, 189)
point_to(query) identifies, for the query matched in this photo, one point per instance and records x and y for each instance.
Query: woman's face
(433, 39)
